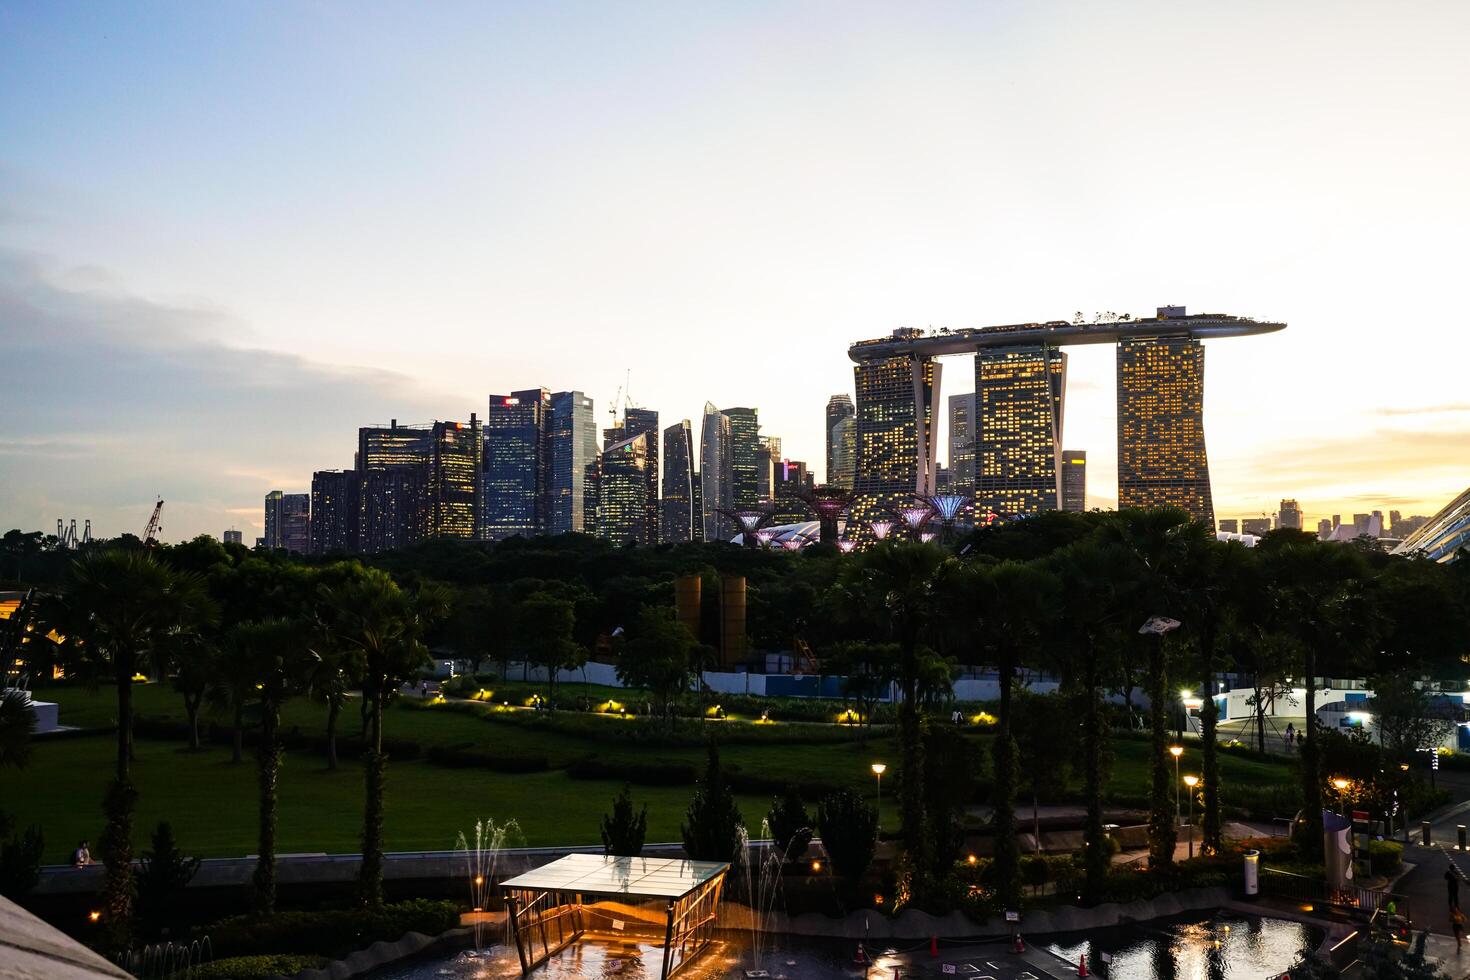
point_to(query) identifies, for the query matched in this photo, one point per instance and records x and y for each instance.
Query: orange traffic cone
(861, 956)
(1082, 966)
(1018, 945)
(933, 945)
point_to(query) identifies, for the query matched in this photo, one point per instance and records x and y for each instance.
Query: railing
(1366, 901)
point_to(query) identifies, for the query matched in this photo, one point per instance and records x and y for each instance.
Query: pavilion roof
(635, 877)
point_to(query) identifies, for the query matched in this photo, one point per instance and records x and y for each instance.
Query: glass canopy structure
(549, 908)
(1443, 536)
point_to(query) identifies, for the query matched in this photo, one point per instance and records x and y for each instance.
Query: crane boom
(150, 534)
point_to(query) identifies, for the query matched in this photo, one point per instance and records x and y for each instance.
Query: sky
(230, 233)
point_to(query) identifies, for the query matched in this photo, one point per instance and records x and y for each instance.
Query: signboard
(1013, 916)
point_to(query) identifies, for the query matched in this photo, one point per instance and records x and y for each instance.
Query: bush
(333, 932)
(257, 967)
(164, 874)
(465, 757)
(791, 825)
(712, 831)
(849, 827)
(20, 858)
(624, 831)
(1385, 857)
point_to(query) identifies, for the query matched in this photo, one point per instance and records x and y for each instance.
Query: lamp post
(878, 770)
(1176, 751)
(1191, 782)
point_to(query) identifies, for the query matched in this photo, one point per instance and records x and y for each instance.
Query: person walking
(1452, 886)
(1457, 923)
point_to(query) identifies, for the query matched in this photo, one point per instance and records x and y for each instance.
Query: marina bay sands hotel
(1020, 394)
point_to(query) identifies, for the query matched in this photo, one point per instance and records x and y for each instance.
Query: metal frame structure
(548, 907)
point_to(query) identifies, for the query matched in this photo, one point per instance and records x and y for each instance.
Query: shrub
(849, 827)
(164, 875)
(1385, 857)
(257, 967)
(791, 825)
(332, 932)
(623, 831)
(653, 773)
(712, 832)
(465, 757)
(20, 858)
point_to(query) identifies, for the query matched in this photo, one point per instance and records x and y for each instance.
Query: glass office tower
(1019, 398)
(572, 434)
(676, 510)
(1161, 426)
(517, 465)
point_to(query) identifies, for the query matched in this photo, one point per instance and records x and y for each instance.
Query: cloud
(1452, 408)
(112, 399)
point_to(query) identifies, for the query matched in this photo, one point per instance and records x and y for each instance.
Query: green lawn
(211, 802)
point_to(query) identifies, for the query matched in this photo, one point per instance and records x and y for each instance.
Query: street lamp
(1176, 751)
(1191, 782)
(878, 770)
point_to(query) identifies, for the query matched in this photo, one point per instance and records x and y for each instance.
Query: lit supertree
(796, 542)
(880, 529)
(828, 502)
(916, 515)
(846, 545)
(750, 520)
(764, 536)
(947, 506)
(928, 536)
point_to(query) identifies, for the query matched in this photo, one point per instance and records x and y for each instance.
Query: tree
(658, 657)
(118, 611)
(17, 723)
(867, 670)
(164, 873)
(1321, 601)
(712, 831)
(20, 857)
(1406, 716)
(379, 628)
(275, 653)
(194, 660)
(1002, 610)
(887, 592)
(624, 831)
(849, 827)
(544, 628)
(1044, 759)
(790, 825)
(328, 683)
(951, 768)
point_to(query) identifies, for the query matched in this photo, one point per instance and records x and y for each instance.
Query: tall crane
(150, 533)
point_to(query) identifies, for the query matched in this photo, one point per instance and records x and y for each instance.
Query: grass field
(211, 801)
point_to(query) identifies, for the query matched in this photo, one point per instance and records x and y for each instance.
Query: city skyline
(211, 314)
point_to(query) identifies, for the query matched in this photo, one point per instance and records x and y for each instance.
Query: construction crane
(150, 533)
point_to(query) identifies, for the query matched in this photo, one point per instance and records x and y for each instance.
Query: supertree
(915, 515)
(750, 520)
(828, 503)
(947, 507)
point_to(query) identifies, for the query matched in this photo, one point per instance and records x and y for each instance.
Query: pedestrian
(1452, 886)
(1457, 923)
(82, 856)
(1290, 734)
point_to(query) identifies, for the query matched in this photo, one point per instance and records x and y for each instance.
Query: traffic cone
(933, 945)
(861, 956)
(1082, 966)
(1018, 945)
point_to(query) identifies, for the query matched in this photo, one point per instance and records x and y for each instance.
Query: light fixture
(1176, 750)
(1340, 784)
(879, 768)
(1191, 781)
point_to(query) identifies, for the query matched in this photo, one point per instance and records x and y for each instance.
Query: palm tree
(1002, 609)
(327, 682)
(120, 610)
(379, 627)
(1093, 610)
(1322, 601)
(1159, 540)
(888, 590)
(274, 652)
(17, 722)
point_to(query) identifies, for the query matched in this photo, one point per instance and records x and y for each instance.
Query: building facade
(1019, 400)
(839, 407)
(622, 491)
(1289, 515)
(517, 465)
(843, 449)
(455, 468)
(272, 536)
(767, 458)
(676, 509)
(716, 475)
(233, 536)
(744, 447)
(1074, 480)
(962, 442)
(896, 436)
(573, 440)
(792, 481)
(1161, 426)
(336, 504)
(644, 422)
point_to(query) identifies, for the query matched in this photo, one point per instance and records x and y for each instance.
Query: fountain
(166, 961)
(481, 861)
(764, 864)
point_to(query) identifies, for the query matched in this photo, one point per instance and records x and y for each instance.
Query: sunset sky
(230, 233)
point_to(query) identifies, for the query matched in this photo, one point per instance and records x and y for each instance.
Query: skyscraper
(1259, 526)
(1019, 399)
(1232, 526)
(335, 511)
(393, 492)
(896, 438)
(573, 439)
(233, 536)
(676, 510)
(517, 465)
(1074, 480)
(644, 421)
(455, 465)
(962, 442)
(622, 491)
(272, 537)
(1289, 515)
(792, 480)
(380, 447)
(839, 407)
(295, 523)
(716, 474)
(744, 445)
(767, 458)
(1161, 428)
(842, 447)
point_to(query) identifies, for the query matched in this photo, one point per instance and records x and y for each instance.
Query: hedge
(256, 967)
(331, 932)
(652, 773)
(463, 756)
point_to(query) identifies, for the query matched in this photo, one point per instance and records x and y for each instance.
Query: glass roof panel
(634, 876)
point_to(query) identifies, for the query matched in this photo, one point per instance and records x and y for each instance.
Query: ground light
(878, 770)
(1191, 782)
(1176, 751)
